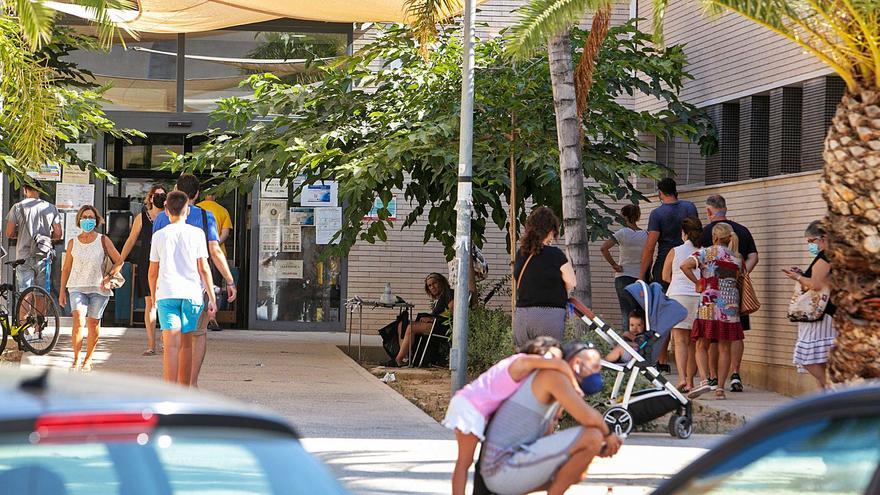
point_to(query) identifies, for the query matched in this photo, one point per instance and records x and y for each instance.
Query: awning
(274, 65)
(187, 16)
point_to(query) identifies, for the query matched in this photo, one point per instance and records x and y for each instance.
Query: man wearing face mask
(518, 457)
(716, 209)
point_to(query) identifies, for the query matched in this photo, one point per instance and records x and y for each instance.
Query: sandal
(683, 388)
(74, 368)
(149, 352)
(86, 367)
(719, 394)
(701, 389)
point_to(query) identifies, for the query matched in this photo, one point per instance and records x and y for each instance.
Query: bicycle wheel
(4, 335)
(38, 317)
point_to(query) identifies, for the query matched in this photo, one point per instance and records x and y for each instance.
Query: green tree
(32, 117)
(845, 35)
(401, 134)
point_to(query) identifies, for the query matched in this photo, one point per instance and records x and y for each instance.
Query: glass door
(295, 285)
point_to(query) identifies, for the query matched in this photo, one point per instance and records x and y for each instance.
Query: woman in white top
(83, 276)
(682, 290)
(631, 239)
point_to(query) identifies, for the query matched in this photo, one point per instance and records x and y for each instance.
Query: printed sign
(328, 221)
(291, 238)
(289, 268)
(302, 216)
(273, 210)
(74, 196)
(272, 188)
(49, 172)
(270, 238)
(321, 194)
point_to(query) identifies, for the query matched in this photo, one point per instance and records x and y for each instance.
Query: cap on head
(575, 347)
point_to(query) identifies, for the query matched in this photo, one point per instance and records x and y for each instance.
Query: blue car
(825, 444)
(111, 434)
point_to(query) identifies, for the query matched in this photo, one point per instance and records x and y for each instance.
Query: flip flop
(149, 352)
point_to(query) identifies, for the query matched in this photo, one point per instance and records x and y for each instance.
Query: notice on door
(74, 196)
(328, 221)
(270, 238)
(273, 210)
(272, 188)
(289, 269)
(291, 238)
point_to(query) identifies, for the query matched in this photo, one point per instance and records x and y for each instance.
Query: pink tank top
(492, 388)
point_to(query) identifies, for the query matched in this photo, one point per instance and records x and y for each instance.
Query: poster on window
(270, 238)
(71, 229)
(302, 216)
(272, 188)
(49, 172)
(289, 269)
(291, 238)
(378, 204)
(273, 210)
(328, 221)
(71, 173)
(320, 194)
(74, 196)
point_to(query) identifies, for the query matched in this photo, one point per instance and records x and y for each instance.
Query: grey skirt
(529, 323)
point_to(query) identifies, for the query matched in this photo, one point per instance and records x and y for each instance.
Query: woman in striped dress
(815, 338)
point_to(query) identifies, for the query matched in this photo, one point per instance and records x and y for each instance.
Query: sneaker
(713, 383)
(736, 384)
(664, 368)
(699, 390)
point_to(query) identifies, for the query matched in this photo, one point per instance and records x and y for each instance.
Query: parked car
(824, 444)
(113, 434)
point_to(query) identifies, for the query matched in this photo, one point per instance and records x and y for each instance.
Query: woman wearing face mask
(83, 276)
(815, 338)
(138, 242)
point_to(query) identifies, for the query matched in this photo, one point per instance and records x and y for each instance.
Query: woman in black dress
(138, 244)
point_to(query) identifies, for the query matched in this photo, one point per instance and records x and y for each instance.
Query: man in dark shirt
(716, 208)
(664, 232)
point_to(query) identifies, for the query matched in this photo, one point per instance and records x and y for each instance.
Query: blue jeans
(626, 301)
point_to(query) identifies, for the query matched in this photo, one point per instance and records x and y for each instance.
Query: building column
(754, 125)
(724, 165)
(820, 99)
(784, 154)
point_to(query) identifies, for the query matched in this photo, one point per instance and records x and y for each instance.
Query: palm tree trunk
(851, 186)
(572, 174)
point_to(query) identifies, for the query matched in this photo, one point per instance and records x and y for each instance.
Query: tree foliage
(398, 131)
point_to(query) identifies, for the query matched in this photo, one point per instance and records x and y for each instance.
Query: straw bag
(749, 302)
(116, 281)
(808, 305)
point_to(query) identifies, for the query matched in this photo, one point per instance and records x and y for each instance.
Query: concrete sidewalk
(373, 439)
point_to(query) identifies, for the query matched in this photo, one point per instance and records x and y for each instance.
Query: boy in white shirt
(179, 276)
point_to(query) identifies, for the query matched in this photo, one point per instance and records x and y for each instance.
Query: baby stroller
(637, 408)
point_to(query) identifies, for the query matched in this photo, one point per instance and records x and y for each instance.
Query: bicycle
(35, 322)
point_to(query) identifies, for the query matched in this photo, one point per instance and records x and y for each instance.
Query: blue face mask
(592, 384)
(813, 248)
(88, 224)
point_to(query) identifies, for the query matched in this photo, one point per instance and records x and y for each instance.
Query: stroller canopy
(662, 313)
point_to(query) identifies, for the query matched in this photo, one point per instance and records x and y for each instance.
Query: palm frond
(35, 21)
(424, 15)
(101, 10)
(583, 72)
(541, 19)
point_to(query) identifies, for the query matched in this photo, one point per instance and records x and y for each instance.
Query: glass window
(296, 282)
(217, 61)
(142, 74)
(827, 457)
(145, 153)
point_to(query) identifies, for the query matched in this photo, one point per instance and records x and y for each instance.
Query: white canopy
(186, 16)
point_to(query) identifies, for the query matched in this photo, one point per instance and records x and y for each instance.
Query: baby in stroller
(635, 337)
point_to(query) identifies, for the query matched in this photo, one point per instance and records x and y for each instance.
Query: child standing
(470, 408)
(179, 275)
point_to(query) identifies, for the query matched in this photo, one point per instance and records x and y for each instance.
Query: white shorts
(691, 304)
(464, 417)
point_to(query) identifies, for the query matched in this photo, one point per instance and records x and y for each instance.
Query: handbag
(115, 281)
(749, 302)
(808, 305)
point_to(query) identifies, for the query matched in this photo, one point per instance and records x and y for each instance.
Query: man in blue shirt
(664, 232)
(197, 341)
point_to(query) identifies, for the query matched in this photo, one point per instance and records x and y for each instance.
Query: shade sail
(275, 65)
(186, 16)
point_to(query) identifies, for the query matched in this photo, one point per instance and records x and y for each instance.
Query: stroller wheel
(681, 426)
(619, 420)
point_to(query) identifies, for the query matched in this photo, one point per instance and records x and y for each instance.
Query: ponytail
(733, 243)
(723, 231)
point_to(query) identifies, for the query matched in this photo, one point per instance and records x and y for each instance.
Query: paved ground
(375, 440)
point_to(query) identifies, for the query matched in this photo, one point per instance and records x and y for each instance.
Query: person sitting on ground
(634, 337)
(518, 454)
(470, 408)
(438, 289)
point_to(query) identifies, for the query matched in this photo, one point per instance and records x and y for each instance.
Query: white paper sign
(72, 174)
(49, 172)
(289, 268)
(302, 216)
(71, 229)
(291, 238)
(74, 196)
(270, 238)
(272, 188)
(328, 221)
(273, 210)
(320, 194)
